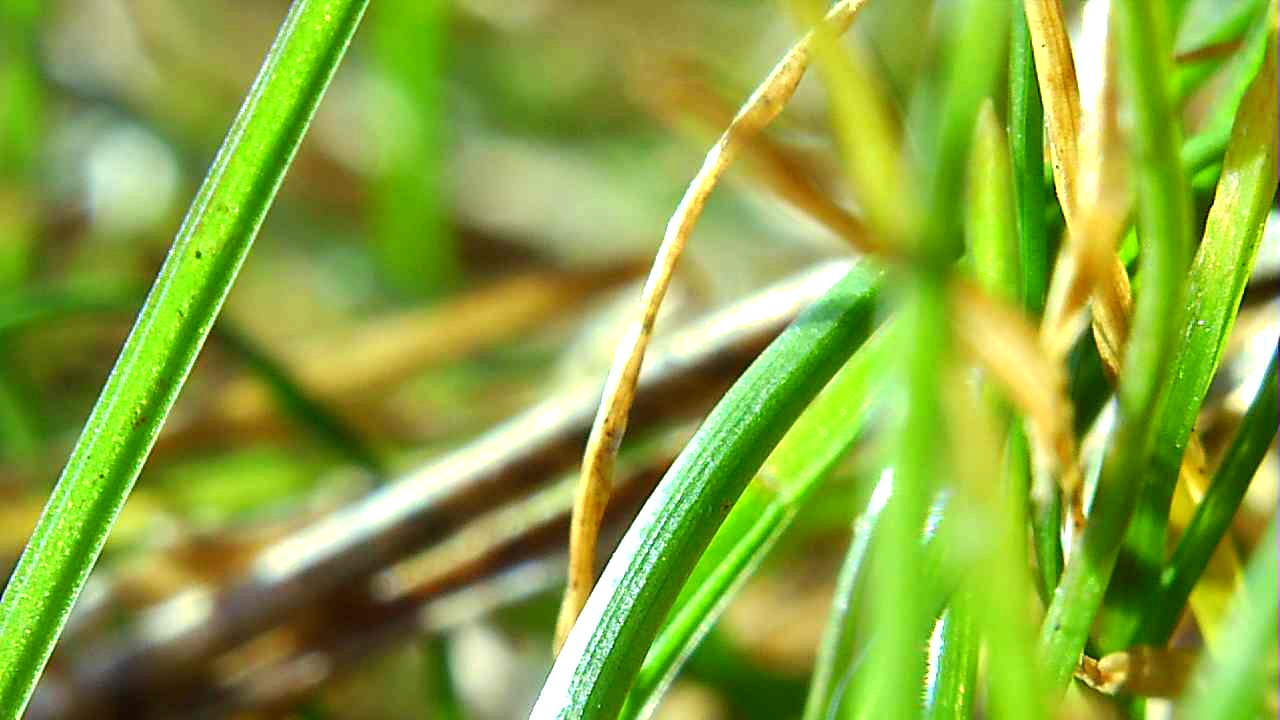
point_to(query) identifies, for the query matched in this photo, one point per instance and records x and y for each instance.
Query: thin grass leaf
(990, 228)
(19, 425)
(952, 694)
(805, 456)
(22, 95)
(973, 64)
(762, 108)
(46, 306)
(1218, 276)
(1245, 68)
(1199, 64)
(1013, 678)
(310, 413)
(838, 649)
(1214, 514)
(897, 662)
(607, 646)
(437, 680)
(415, 246)
(170, 330)
(1000, 600)
(897, 607)
(1233, 685)
(867, 132)
(1026, 144)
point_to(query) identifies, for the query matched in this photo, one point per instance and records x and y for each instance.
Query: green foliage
(170, 330)
(611, 638)
(806, 455)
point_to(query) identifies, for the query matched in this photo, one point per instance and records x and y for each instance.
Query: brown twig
(764, 105)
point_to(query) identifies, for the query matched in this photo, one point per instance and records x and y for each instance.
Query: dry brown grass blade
(1056, 74)
(774, 165)
(764, 105)
(1004, 340)
(1087, 265)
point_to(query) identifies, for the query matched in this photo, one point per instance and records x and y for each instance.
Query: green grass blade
(438, 681)
(1214, 514)
(1026, 145)
(990, 226)
(1164, 220)
(866, 130)
(607, 646)
(35, 306)
(1234, 686)
(897, 661)
(953, 693)
(1230, 27)
(309, 412)
(170, 330)
(805, 456)
(416, 249)
(1219, 273)
(22, 96)
(1208, 144)
(838, 648)
(19, 426)
(971, 70)
(999, 591)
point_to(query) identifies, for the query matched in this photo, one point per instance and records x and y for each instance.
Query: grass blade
(608, 644)
(1197, 66)
(417, 252)
(897, 662)
(761, 109)
(170, 330)
(953, 693)
(1000, 604)
(1164, 218)
(839, 641)
(1219, 273)
(309, 412)
(804, 457)
(1233, 686)
(1214, 514)
(1026, 145)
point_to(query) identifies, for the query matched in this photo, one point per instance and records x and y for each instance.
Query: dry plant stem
(773, 164)
(764, 105)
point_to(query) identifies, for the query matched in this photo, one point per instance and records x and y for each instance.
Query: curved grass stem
(764, 105)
